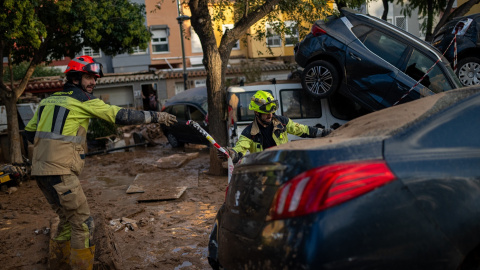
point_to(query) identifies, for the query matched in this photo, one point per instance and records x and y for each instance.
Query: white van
(294, 103)
(25, 111)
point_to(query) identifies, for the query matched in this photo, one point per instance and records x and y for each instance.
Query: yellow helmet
(263, 102)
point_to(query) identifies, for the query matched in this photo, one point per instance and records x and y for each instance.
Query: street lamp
(180, 20)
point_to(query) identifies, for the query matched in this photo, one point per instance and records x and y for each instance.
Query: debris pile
(149, 132)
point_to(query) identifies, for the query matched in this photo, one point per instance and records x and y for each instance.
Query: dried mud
(171, 234)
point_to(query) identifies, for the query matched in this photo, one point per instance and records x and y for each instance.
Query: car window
(386, 47)
(361, 30)
(344, 108)
(178, 111)
(195, 114)
(296, 104)
(243, 113)
(418, 64)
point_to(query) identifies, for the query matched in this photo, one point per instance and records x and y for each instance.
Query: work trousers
(65, 195)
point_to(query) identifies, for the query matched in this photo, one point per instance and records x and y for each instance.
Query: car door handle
(353, 56)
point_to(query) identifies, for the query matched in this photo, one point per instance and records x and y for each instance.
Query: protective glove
(322, 132)
(165, 118)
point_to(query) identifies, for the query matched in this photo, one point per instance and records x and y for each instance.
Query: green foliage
(37, 29)
(40, 71)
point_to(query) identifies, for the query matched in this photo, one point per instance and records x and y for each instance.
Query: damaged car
(371, 61)
(393, 189)
(188, 105)
(466, 31)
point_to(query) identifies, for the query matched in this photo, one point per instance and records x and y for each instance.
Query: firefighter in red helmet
(58, 131)
(84, 70)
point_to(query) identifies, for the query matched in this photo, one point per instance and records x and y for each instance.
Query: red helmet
(85, 64)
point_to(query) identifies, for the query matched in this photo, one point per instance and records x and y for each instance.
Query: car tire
(468, 71)
(173, 141)
(320, 79)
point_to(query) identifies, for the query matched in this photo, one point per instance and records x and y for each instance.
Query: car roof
(385, 25)
(196, 96)
(389, 121)
(450, 24)
(473, 16)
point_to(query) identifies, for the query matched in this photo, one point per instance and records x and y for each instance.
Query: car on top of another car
(370, 61)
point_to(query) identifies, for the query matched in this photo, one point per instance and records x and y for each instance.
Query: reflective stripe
(148, 117)
(80, 61)
(59, 120)
(53, 136)
(39, 116)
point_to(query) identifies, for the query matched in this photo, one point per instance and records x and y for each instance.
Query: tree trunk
(13, 128)
(10, 99)
(216, 103)
(429, 34)
(215, 60)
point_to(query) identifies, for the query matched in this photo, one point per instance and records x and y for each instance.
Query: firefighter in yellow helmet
(58, 131)
(268, 129)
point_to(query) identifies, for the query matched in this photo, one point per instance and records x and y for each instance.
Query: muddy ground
(166, 234)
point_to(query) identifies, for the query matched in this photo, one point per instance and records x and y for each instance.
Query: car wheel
(320, 79)
(468, 71)
(173, 141)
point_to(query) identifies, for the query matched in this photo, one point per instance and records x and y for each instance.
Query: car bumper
(338, 239)
(300, 58)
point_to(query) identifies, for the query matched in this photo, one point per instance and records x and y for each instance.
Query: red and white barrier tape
(212, 141)
(454, 40)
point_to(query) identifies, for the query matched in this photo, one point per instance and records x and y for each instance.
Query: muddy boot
(82, 259)
(59, 255)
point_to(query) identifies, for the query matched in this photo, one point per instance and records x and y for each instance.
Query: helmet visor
(94, 68)
(269, 107)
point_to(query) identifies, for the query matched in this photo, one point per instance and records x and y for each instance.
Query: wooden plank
(159, 186)
(176, 160)
(162, 194)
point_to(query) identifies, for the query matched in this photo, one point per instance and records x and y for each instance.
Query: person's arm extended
(122, 116)
(305, 131)
(132, 117)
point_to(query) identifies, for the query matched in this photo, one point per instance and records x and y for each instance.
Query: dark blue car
(190, 104)
(467, 31)
(370, 61)
(394, 189)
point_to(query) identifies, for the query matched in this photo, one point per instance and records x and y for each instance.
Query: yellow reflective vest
(59, 128)
(251, 140)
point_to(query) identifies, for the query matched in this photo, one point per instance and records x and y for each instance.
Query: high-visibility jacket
(59, 127)
(251, 139)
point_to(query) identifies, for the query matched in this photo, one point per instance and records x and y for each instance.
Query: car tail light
(317, 31)
(327, 186)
